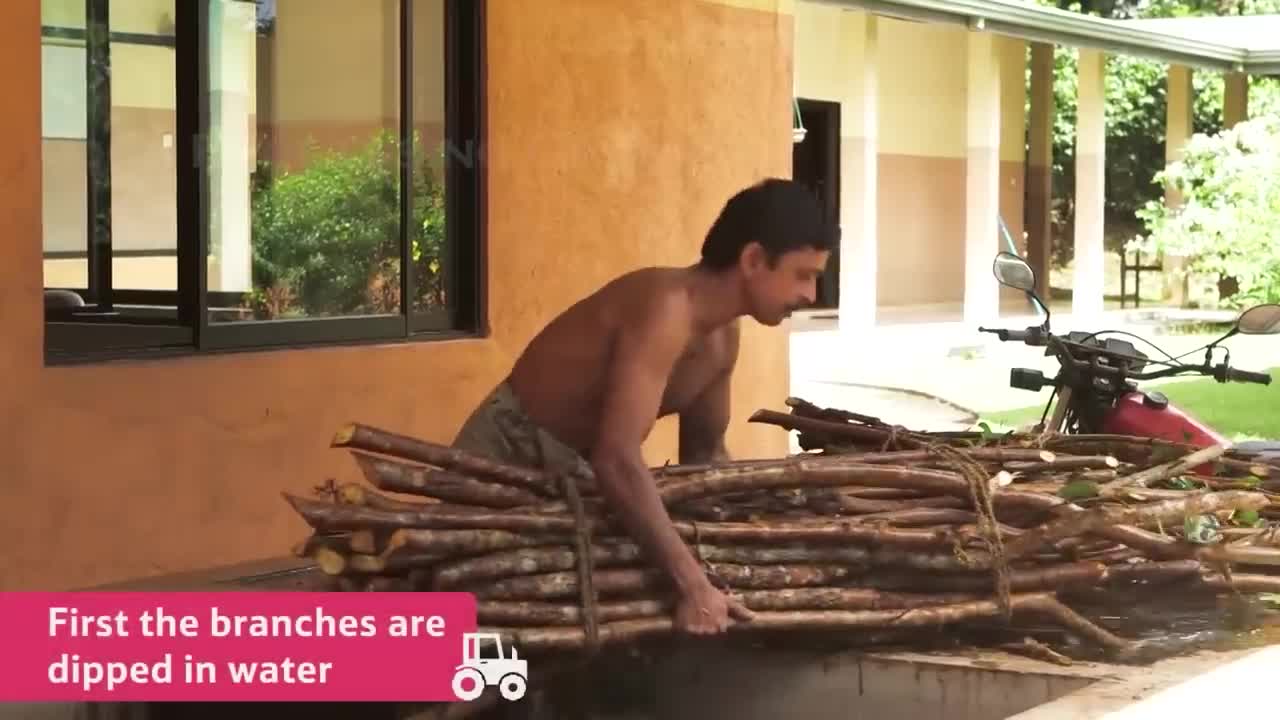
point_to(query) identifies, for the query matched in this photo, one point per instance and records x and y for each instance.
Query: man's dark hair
(781, 215)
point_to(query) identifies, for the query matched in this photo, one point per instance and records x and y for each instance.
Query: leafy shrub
(1228, 225)
(326, 238)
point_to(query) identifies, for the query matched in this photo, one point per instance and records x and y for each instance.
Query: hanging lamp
(797, 124)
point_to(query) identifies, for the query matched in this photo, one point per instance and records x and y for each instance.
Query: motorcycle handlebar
(1029, 336)
(1037, 336)
(1225, 373)
(1221, 372)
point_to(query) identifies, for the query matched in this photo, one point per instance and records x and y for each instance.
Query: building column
(1091, 177)
(859, 149)
(1235, 99)
(232, 83)
(1039, 211)
(1179, 123)
(982, 180)
(1235, 110)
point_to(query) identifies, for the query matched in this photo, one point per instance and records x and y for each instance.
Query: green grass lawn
(1238, 410)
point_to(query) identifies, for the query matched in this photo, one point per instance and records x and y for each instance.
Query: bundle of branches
(834, 431)
(919, 532)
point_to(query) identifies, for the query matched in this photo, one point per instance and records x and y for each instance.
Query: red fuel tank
(1150, 415)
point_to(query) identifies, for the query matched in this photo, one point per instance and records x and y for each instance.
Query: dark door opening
(815, 162)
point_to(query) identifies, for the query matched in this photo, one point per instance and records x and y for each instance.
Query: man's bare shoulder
(650, 300)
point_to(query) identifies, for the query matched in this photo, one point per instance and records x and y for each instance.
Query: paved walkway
(964, 368)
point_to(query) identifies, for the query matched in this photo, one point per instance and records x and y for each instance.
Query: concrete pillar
(1235, 110)
(1179, 123)
(1040, 166)
(1091, 158)
(232, 82)
(982, 180)
(1013, 160)
(859, 119)
(1235, 99)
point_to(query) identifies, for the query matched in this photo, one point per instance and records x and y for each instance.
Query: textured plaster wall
(617, 130)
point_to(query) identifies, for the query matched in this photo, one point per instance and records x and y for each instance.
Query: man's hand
(706, 610)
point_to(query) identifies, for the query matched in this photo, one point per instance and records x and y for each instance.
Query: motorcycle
(1096, 388)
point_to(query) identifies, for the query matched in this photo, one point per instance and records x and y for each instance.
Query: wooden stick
(1086, 462)
(330, 516)
(1166, 511)
(557, 559)
(370, 439)
(564, 585)
(1020, 579)
(394, 475)
(468, 542)
(1240, 554)
(858, 506)
(831, 429)
(532, 561)
(810, 474)
(1181, 466)
(1243, 582)
(924, 516)
(533, 640)
(543, 613)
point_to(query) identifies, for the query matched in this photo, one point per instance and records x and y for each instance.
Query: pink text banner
(233, 646)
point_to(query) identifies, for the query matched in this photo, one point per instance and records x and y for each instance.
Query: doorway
(815, 163)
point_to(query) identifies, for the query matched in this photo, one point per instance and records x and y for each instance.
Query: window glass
(108, 149)
(431, 264)
(228, 173)
(303, 172)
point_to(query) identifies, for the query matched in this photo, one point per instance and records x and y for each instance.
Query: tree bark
(370, 439)
(1108, 516)
(398, 476)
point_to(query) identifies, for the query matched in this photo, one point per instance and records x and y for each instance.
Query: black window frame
(101, 331)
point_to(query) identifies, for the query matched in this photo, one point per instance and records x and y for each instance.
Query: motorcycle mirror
(1259, 320)
(1012, 271)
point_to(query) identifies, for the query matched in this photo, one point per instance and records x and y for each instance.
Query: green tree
(1226, 225)
(1135, 117)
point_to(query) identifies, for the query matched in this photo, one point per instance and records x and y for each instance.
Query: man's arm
(642, 359)
(703, 424)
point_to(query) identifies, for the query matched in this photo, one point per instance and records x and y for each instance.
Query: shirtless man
(657, 342)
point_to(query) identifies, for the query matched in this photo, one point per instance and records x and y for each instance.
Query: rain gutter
(1059, 27)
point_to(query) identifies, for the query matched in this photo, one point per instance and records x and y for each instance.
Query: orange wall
(617, 130)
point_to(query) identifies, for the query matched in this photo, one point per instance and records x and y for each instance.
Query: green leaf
(1182, 483)
(1246, 518)
(1201, 529)
(1078, 490)
(1272, 599)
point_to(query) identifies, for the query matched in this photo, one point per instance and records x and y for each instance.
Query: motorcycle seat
(1264, 449)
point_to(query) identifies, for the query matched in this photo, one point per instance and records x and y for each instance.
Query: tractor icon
(510, 674)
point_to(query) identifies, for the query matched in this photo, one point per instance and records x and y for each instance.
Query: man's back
(562, 375)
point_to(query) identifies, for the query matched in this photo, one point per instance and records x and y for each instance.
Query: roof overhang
(1182, 40)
